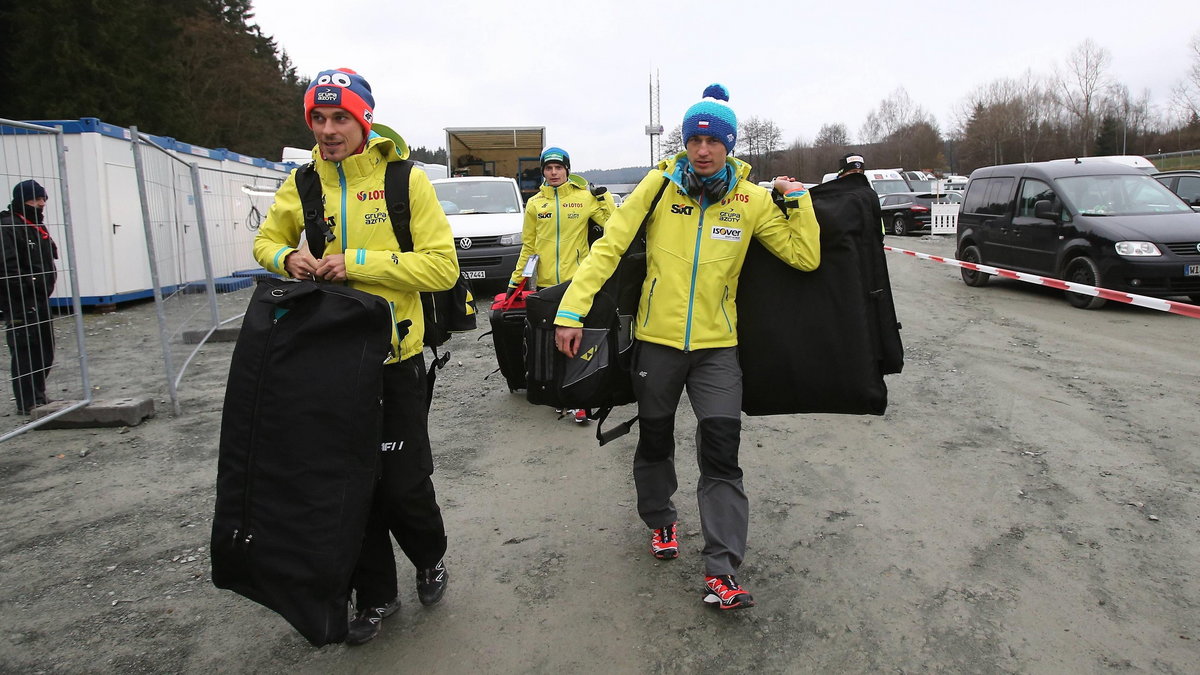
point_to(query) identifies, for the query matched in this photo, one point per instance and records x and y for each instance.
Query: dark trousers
(31, 346)
(713, 379)
(405, 504)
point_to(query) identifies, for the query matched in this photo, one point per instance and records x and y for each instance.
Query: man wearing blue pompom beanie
(701, 212)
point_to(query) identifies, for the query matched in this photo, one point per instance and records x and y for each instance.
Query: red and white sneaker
(580, 416)
(723, 592)
(664, 543)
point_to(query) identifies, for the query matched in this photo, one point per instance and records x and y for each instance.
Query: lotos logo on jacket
(373, 194)
(685, 209)
(572, 205)
(376, 217)
(726, 233)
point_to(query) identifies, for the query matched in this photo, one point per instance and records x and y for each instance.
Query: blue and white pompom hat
(712, 116)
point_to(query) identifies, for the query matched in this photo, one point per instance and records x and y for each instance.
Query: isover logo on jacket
(373, 194)
(685, 209)
(726, 233)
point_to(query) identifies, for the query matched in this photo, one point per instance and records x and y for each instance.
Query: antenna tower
(654, 129)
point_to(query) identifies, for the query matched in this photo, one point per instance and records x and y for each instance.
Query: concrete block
(226, 334)
(115, 412)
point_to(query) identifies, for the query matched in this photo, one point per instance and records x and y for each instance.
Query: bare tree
(672, 143)
(1186, 94)
(1080, 86)
(831, 135)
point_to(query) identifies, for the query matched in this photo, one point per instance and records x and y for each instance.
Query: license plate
(479, 274)
(1191, 271)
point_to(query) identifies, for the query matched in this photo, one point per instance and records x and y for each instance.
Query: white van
(1135, 161)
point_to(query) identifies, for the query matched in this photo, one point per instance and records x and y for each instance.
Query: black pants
(405, 504)
(31, 346)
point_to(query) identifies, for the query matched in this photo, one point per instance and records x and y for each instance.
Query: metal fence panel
(200, 223)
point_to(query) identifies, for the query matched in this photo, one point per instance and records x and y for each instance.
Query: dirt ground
(1028, 504)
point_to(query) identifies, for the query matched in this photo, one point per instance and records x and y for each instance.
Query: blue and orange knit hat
(342, 88)
(712, 117)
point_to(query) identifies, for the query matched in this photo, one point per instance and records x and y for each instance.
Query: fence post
(210, 284)
(140, 171)
(76, 306)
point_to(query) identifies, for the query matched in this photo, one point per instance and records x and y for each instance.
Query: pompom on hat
(341, 88)
(712, 116)
(553, 154)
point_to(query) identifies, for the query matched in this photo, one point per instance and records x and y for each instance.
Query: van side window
(998, 195)
(1032, 190)
(973, 201)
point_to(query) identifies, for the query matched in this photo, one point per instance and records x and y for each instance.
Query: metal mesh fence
(39, 294)
(199, 223)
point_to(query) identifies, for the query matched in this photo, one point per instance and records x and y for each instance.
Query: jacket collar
(574, 182)
(675, 167)
(356, 167)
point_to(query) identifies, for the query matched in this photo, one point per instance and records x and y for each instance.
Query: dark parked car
(1185, 183)
(906, 212)
(1095, 223)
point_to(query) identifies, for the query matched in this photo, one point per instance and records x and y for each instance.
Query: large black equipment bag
(598, 377)
(299, 450)
(445, 312)
(821, 341)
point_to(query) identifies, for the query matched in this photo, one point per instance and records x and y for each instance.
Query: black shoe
(366, 623)
(431, 583)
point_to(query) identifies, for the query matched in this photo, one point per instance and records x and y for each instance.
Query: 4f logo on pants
(388, 446)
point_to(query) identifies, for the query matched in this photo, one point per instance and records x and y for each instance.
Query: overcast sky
(582, 69)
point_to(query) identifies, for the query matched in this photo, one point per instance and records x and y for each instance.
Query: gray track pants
(713, 378)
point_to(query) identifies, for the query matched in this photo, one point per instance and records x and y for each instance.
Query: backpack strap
(395, 188)
(316, 228)
(600, 415)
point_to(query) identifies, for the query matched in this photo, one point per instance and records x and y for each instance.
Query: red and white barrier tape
(1161, 305)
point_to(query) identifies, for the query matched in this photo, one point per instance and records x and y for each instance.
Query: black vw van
(1096, 223)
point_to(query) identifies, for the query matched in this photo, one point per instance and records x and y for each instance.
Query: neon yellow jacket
(694, 255)
(555, 228)
(353, 191)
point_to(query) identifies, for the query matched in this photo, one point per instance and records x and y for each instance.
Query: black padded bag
(821, 341)
(299, 450)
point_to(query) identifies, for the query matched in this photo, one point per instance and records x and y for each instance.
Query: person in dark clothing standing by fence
(29, 275)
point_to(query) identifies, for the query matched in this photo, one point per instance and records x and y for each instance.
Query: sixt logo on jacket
(328, 96)
(730, 217)
(685, 209)
(373, 194)
(726, 233)
(545, 215)
(378, 216)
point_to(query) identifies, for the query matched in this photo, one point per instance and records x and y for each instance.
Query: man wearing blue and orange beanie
(686, 327)
(350, 162)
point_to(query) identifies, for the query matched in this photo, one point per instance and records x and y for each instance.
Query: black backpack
(598, 378)
(445, 312)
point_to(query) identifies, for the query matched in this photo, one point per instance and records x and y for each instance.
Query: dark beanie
(28, 189)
